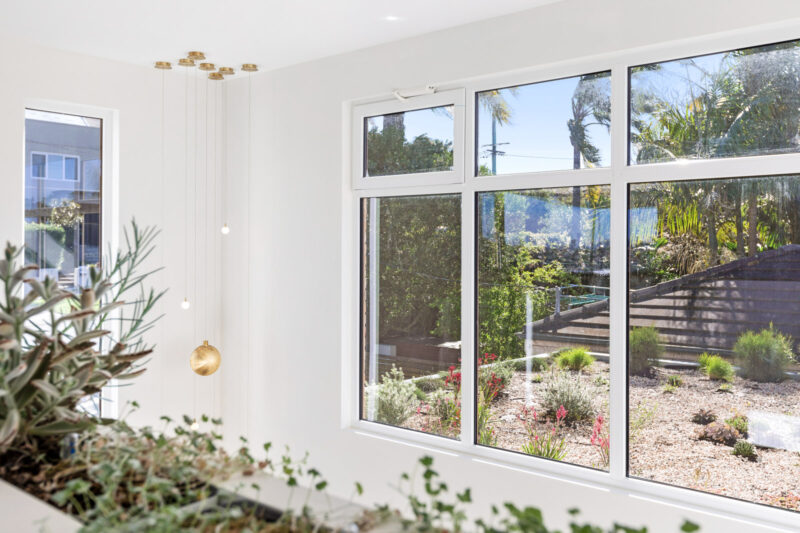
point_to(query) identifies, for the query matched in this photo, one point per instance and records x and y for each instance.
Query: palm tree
(735, 109)
(591, 100)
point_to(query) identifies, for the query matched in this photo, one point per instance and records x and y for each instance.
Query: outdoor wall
(282, 263)
(44, 78)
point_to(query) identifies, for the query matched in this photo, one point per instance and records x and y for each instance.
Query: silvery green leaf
(46, 387)
(9, 428)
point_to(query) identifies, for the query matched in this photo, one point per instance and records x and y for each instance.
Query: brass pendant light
(205, 359)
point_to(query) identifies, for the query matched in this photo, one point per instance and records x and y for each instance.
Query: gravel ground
(664, 445)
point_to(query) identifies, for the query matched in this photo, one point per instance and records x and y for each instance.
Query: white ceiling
(272, 33)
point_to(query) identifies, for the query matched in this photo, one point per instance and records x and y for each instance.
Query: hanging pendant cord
(249, 255)
(186, 186)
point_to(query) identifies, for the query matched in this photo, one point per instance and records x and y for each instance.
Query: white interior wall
(133, 94)
(282, 265)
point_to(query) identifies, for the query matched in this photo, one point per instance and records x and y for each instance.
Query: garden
(713, 426)
(106, 475)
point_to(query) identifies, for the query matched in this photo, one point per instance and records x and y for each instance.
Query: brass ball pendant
(205, 359)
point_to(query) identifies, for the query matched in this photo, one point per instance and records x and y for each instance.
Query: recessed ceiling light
(391, 18)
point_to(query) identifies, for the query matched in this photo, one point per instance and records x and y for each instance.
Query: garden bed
(664, 441)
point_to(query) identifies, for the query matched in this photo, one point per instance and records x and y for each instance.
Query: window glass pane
(714, 312)
(740, 103)
(70, 168)
(411, 305)
(38, 162)
(410, 142)
(553, 125)
(543, 294)
(55, 166)
(62, 234)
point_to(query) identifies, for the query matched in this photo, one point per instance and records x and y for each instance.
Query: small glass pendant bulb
(185, 304)
(225, 229)
(195, 426)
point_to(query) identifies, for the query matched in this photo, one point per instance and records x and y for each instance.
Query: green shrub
(644, 349)
(675, 380)
(569, 392)
(763, 356)
(719, 434)
(704, 417)
(420, 394)
(443, 405)
(725, 387)
(538, 364)
(502, 371)
(536, 378)
(486, 435)
(740, 423)
(718, 369)
(703, 361)
(428, 385)
(52, 255)
(669, 389)
(742, 448)
(397, 398)
(574, 359)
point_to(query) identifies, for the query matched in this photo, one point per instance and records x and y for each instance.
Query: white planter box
(23, 513)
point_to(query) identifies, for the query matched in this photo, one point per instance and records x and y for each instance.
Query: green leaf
(321, 485)
(46, 387)
(689, 527)
(359, 488)
(60, 428)
(9, 428)
(88, 336)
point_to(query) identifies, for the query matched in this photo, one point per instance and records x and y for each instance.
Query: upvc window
(63, 209)
(54, 166)
(419, 141)
(573, 266)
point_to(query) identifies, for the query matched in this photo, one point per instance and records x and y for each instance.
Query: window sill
(689, 500)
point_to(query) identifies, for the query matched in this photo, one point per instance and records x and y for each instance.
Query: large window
(714, 316)
(411, 318)
(62, 195)
(581, 304)
(543, 258)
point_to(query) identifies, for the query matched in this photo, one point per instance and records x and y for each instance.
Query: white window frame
(47, 176)
(620, 175)
(109, 187)
(453, 98)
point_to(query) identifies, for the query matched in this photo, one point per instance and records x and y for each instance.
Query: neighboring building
(62, 165)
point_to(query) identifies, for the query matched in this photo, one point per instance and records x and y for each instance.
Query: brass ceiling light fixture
(206, 359)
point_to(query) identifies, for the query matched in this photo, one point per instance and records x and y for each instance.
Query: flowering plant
(600, 439)
(544, 442)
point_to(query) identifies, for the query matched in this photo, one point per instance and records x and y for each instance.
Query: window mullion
(617, 306)
(468, 322)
